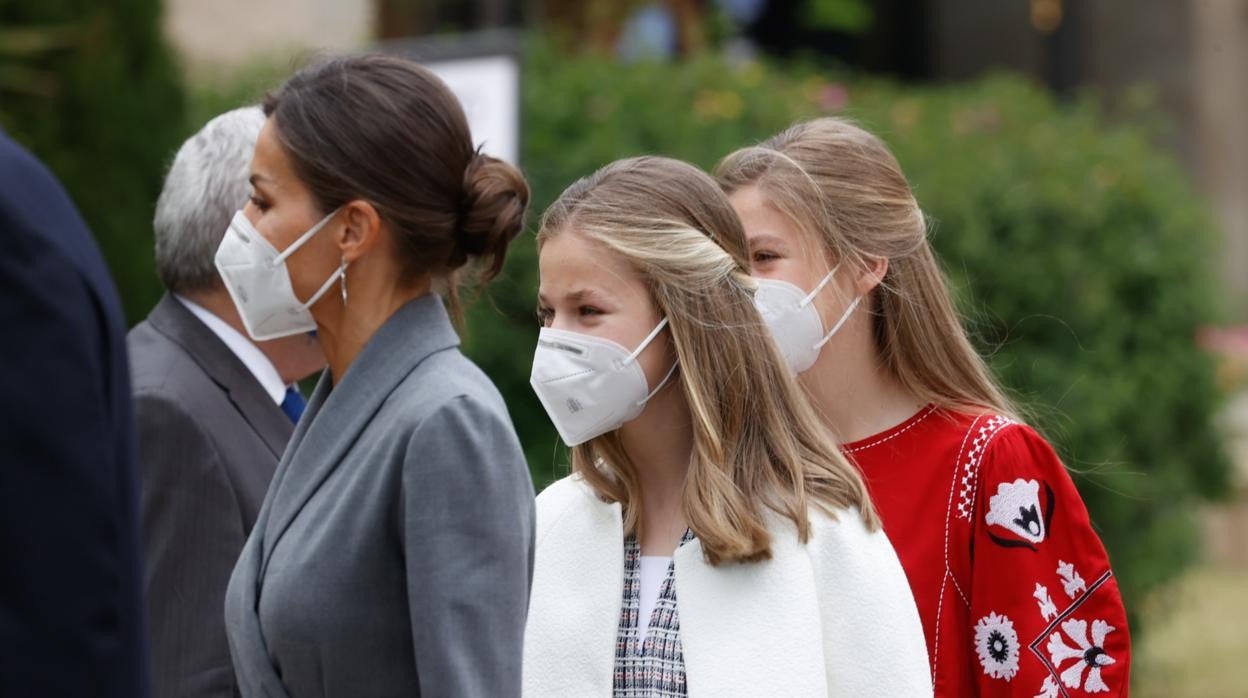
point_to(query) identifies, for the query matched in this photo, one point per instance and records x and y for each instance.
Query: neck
(659, 443)
(853, 390)
(344, 330)
(284, 353)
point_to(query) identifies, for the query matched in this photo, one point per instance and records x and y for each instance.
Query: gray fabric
(209, 441)
(393, 554)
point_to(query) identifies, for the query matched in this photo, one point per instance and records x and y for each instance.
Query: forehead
(761, 218)
(270, 162)
(570, 262)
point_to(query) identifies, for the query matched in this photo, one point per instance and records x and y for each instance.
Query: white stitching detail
(908, 427)
(970, 469)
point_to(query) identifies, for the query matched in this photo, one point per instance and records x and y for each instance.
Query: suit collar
(337, 414)
(179, 325)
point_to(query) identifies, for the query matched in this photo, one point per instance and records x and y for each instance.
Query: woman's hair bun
(496, 198)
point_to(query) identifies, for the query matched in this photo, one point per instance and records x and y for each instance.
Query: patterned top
(655, 667)
(1012, 584)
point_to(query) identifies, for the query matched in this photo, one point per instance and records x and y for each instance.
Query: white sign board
(489, 89)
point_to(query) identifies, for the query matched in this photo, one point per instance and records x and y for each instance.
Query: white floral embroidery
(1016, 508)
(1047, 608)
(1049, 689)
(1072, 583)
(996, 643)
(1089, 655)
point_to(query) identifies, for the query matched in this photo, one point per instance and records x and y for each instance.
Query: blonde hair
(841, 187)
(757, 441)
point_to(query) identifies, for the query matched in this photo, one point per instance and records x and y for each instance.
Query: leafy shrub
(101, 103)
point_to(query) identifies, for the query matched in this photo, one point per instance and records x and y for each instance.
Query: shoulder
(157, 364)
(841, 536)
(1017, 454)
(566, 501)
(444, 383)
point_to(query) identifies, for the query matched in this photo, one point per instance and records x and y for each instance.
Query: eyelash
(764, 256)
(545, 315)
(259, 203)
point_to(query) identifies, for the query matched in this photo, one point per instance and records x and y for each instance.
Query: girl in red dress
(1013, 586)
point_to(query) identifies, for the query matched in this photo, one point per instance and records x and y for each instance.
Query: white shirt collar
(246, 351)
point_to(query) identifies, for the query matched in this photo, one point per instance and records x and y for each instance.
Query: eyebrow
(765, 239)
(255, 179)
(574, 297)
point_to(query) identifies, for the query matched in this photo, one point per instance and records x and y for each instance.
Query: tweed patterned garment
(653, 667)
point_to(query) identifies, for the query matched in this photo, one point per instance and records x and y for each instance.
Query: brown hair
(388, 131)
(842, 188)
(758, 443)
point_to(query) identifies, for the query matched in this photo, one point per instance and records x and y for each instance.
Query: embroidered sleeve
(1047, 618)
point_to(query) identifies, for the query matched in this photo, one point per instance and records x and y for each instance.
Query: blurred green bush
(91, 88)
(1080, 255)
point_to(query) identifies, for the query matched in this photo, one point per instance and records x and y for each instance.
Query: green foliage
(1079, 253)
(91, 89)
(844, 15)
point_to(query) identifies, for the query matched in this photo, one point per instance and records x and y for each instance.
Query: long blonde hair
(757, 441)
(841, 187)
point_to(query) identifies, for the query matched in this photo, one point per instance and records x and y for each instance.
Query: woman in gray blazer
(394, 550)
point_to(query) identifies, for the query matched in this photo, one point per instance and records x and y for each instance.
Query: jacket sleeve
(1047, 618)
(192, 532)
(468, 527)
(872, 635)
(70, 622)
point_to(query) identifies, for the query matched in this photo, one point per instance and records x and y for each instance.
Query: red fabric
(1012, 584)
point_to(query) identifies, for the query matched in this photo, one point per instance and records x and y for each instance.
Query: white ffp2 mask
(794, 321)
(255, 274)
(588, 385)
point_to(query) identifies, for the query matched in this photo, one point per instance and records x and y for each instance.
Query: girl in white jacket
(711, 540)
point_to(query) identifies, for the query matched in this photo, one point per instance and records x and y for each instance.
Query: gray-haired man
(214, 412)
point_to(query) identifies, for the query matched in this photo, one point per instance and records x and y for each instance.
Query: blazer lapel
(173, 320)
(573, 619)
(751, 629)
(337, 414)
(248, 649)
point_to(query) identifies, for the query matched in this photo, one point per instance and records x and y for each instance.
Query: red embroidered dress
(1012, 584)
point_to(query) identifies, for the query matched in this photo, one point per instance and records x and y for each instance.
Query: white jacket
(833, 617)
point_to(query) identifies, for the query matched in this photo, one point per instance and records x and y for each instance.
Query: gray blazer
(394, 552)
(209, 441)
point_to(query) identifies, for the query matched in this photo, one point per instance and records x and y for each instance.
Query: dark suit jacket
(209, 440)
(71, 617)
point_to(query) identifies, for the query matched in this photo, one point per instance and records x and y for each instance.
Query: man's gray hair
(206, 184)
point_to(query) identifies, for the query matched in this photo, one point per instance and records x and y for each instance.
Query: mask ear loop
(819, 287)
(642, 347)
(645, 342)
(290, 249)
(662, 383)
(341, 272)
(844, 318)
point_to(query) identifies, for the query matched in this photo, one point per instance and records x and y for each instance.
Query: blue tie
(293, 404)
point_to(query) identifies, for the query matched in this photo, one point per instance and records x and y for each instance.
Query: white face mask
(256, 276)
(590, 386)
(794, 321)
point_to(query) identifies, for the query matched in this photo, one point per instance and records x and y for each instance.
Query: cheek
(793, 270)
